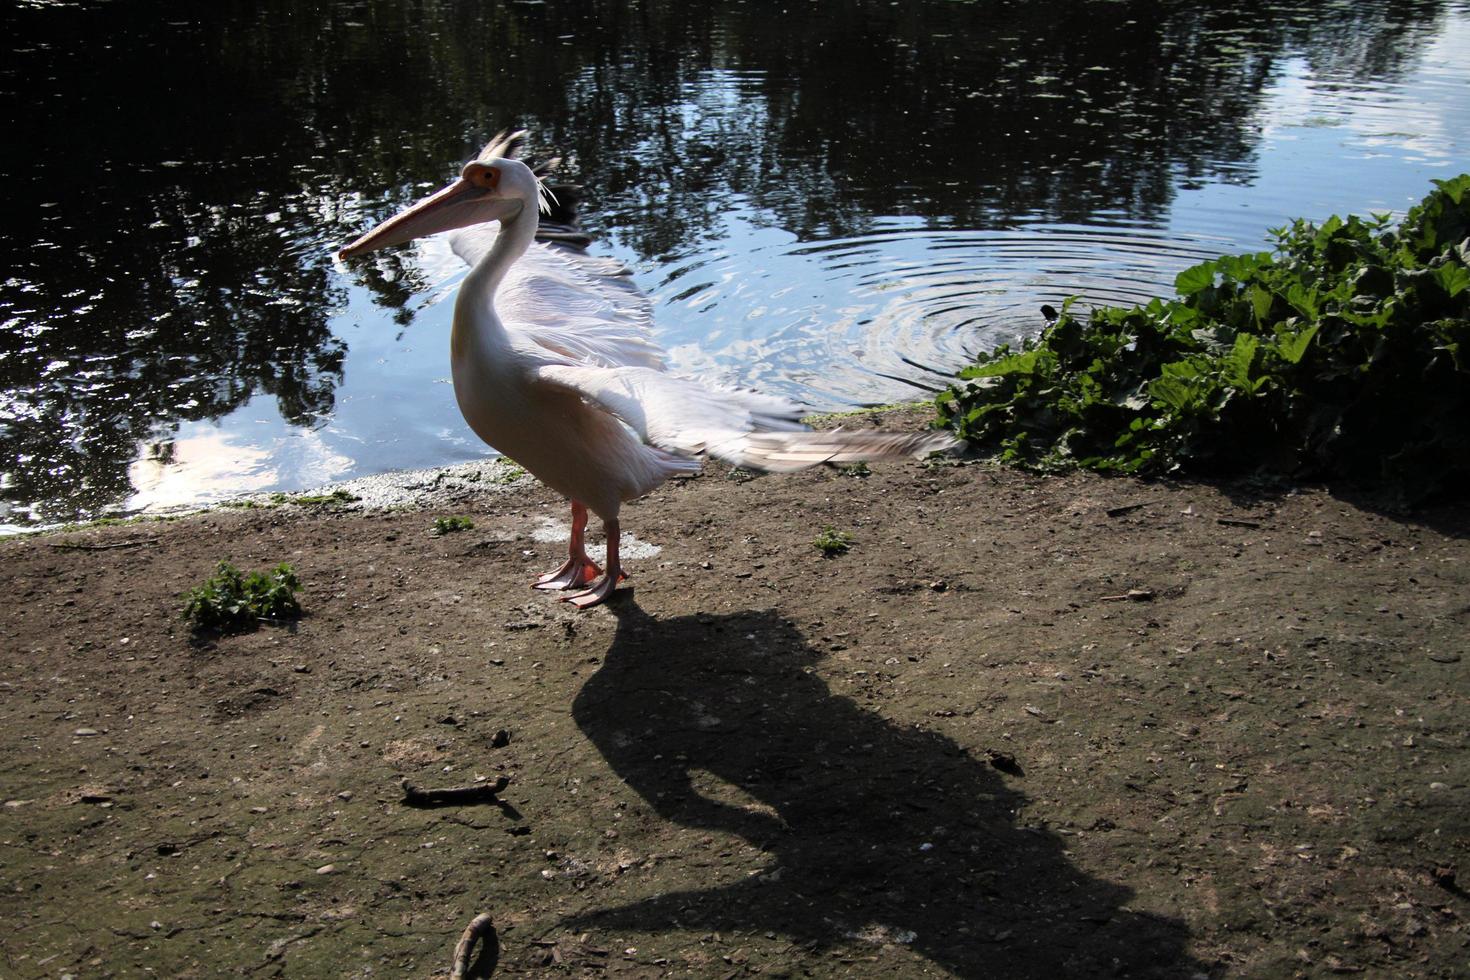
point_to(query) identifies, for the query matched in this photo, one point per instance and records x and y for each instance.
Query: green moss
(337, 498)
(509, 473)
(821, 418)
(132, 521)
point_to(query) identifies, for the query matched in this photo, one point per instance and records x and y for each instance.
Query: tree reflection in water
(176, 184)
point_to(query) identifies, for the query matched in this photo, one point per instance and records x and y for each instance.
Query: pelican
(554, 366)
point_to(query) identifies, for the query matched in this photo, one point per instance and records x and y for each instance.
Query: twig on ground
(478, 926)
(453, 795)
(80, 546)
(1132, 595)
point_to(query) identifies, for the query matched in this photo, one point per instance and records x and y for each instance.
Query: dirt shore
(1025, 727)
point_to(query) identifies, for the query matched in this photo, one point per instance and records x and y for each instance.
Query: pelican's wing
(741, 427)
(577, 305)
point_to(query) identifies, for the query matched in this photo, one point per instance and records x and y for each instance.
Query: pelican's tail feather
(783, 452)
(746, 428)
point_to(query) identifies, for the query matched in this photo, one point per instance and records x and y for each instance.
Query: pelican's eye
(487, 178)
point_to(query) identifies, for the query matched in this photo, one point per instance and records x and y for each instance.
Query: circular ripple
(894, 314)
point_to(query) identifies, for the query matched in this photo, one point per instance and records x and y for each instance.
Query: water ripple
(893, 314)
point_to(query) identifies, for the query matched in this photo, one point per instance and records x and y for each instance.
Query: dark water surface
(838, 201)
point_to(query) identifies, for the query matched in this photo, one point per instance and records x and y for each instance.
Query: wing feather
(741, 427)
(556, 297)
(575, 304)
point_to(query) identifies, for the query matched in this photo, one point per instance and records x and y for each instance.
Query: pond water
(842, 201)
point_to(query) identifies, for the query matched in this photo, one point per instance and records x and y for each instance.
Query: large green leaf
(1236, 365)
(1023, 363)
(1303, 297)
(1291, 345)
(1195, 278)
(1262, 300)
(1454, 278)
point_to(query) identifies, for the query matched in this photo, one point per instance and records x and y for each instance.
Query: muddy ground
(1026, 727)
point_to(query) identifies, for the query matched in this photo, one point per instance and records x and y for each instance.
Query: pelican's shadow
(872, 829)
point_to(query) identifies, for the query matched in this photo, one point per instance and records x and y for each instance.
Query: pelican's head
(496, 189)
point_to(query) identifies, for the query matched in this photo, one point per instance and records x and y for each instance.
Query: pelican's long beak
(464, 202)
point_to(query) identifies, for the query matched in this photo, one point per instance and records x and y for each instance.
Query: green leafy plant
(448, 525)
(231, 600)
(832, 542)
(1345, 352)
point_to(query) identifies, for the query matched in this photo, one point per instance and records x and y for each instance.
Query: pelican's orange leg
(600, 592)
(578, 569)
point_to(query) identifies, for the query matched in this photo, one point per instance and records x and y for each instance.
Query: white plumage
(555, 367)
(564, 299)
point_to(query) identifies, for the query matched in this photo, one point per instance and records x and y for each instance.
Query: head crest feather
(506, 145)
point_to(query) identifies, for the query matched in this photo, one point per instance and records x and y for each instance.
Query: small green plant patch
(832, 542)
(448, 525)
(1345, 352)
(231, 600)
(337, 498)
(113, 522)
(507, 474)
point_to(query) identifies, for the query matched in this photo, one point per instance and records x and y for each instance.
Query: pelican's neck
(476, 324)
(516, 235)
